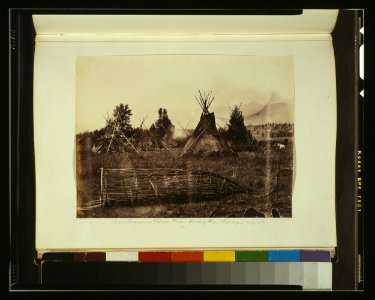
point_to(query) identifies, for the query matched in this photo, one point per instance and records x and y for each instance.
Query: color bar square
(58, 256)
(252, 272)
(267, 273)
(315, 256)
(251, 256)
(284, 255)
(219, 256)
(122, 256)
(238, 273)
(223, 273)
(295, 273)
(154, 256)
(324, 276)
(89, 256)
(194, 273)
(209, 273)
(310, 275)
(281, 273)
(187, 256)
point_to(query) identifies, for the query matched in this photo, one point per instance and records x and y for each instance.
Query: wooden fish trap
(139, 186)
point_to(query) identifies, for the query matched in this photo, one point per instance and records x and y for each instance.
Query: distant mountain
(256, 113)
(251, 108)
(222, 113)
(272, 113)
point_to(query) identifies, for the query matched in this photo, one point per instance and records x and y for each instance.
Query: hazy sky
(148, 82)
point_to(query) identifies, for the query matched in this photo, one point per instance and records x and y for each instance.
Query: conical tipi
(205, 138)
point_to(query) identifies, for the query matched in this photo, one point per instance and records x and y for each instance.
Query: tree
(236, 128)
(164, 123)
(237, 134)
(121, 118)
(117, 126)
(162, 127)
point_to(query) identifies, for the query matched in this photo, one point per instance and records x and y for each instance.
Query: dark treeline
(272, 130)
(119, 135)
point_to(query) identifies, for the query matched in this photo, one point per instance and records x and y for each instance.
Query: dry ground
(255, 170)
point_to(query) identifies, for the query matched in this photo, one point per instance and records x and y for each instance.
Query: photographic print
(184, 136)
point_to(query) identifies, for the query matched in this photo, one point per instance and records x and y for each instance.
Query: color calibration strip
(197, 256)
(235, 256)
(196, 275)
(276, 269)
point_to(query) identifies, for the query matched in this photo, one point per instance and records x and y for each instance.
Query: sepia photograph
(184, 136)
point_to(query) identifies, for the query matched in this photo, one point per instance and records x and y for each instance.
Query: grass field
(257, 171)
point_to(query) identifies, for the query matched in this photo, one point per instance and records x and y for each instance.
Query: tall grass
(248, 169)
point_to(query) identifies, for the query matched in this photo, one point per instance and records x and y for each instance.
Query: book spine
(348, 268)
(22, 269)
(360, 148)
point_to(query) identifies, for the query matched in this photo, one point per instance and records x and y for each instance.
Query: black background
(24, 273)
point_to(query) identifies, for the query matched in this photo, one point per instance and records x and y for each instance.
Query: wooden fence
(136, 186)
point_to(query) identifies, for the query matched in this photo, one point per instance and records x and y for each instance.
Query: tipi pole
(128, 141)
(195, 140)
(101, 187)
(110, 143)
